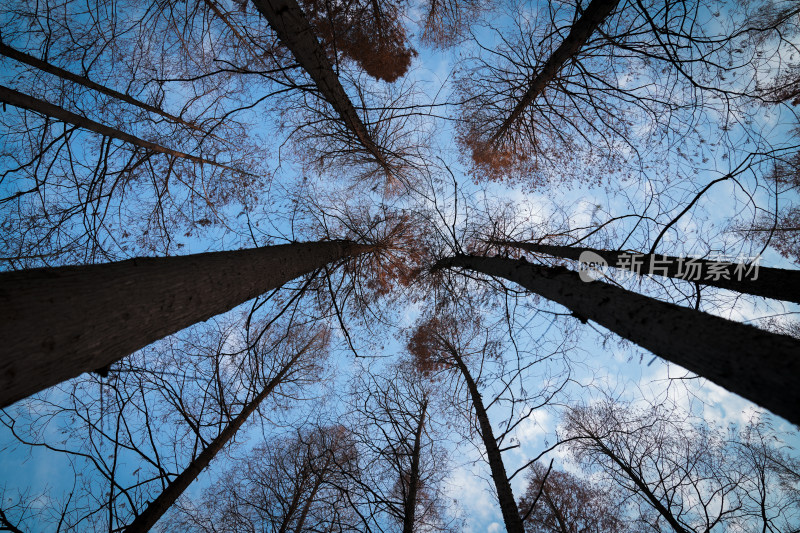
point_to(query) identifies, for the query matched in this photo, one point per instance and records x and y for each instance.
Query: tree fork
(57, 323)
(776, 283)
(760, 366)
(156, 509)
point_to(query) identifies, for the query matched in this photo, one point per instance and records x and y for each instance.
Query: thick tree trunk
(156, 509)
(777, 283)
(410, 505)
(44, 66)
(18, 99)
(760, 366)
(57, 323)
(289, 22)
(508, 505)
(582, 29)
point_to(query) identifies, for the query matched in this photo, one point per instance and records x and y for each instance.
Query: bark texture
(505, 496)
(18, 99)
(582, 29)
(777, 283)
(57, 323)
(156, 509)
(289, 22)
(760, 366)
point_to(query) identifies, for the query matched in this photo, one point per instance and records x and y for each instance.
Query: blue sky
(609, 366)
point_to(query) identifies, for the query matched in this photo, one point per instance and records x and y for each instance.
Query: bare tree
(445, 344)
(401, 460)
(778, 283)
(163, 416)
(294, 482)
(559, 502)
(687, 475)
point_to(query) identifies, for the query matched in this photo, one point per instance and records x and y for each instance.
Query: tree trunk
(289, 22)
(156, 509)
(582, 29)
(776, 283)
(760, 366)
(44, 66)
(18, 99)
(413, 484)
(59, 322)
(508, 505)
(646, 492)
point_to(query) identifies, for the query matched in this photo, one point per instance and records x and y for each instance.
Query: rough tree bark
(777, 283)
(505, 496)
(156, 509)
(581, 30)
(18, 99)
(57, 323)
(760, 366)
(289, 22)
(410, 505)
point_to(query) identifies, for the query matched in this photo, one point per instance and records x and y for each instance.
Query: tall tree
(60, 322)
(686, 476)
(310, 349)
(293, 29)
(401, 463)
(743, 359)
(777, 283)
(435, 346)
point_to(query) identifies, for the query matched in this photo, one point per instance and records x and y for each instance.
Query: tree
(688, 476)
(437, 344)
(115, 303)
(778, 283)
(559, 502)
(169, 410)
(294, 30)
(295, 482)
(310, 349)
(402, 464)
(739, 357)
(545, 103)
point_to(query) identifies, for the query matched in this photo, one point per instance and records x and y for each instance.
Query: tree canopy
(382, 265)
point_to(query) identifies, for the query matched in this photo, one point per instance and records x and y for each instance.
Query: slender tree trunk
(301, 520)
(508, 505)
(293, 29)
(18, 99)
(413, 484)
(156, 509)
(44, 66)
(562, 524)
(777, 283)
(56, 323)
(646, 492)
(760, 366)
(582, 29)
